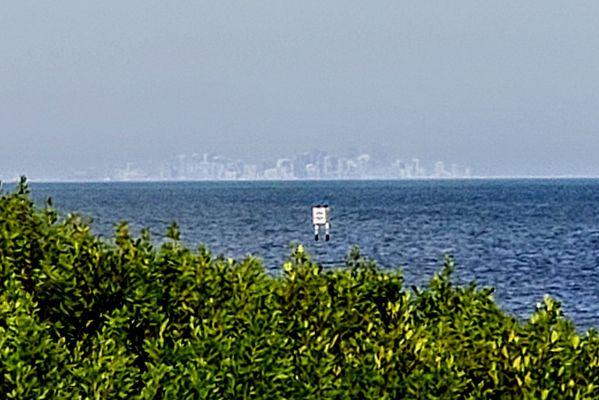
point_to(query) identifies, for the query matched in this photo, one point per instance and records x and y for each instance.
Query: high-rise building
(440, 171)
(416, 171)
(331, 167)
(284, 168)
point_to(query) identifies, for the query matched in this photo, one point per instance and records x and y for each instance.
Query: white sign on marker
(321, 218)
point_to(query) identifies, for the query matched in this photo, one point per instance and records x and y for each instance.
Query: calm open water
(526, 238)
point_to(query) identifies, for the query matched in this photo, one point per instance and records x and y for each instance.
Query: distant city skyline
(349, 164)
(309, 165)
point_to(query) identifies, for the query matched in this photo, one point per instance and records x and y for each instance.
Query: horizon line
(472, 178)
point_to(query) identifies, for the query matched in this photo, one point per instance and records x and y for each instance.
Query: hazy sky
(508, 87)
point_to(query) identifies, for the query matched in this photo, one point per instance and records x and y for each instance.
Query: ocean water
(526, 238)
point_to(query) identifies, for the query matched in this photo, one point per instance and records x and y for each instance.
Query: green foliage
(86, 318)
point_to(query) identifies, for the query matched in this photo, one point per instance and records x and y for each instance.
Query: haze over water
(507, 88)
(526, 238)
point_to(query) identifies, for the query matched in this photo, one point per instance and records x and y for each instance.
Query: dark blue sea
(526, 238)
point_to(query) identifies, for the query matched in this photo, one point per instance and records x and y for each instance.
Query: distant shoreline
(434, 179)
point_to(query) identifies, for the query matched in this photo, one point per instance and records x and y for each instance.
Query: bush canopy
(82, 317)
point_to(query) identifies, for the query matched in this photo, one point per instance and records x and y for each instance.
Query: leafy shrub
(82, 317)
